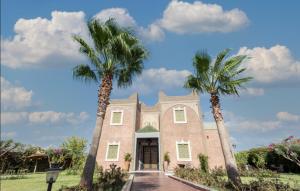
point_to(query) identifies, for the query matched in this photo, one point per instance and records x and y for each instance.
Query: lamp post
(51, 177)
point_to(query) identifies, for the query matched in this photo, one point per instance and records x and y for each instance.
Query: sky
(41, 103)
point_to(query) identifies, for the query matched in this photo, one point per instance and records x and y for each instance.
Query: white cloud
(238, 123)
(271, 64)
(183, 17)
(252, 91)
(14, 97)
(151, 33)
(13, 118)
(286, 116)
(40, 41)
(155, 79)
(44, 117)
(121, 15)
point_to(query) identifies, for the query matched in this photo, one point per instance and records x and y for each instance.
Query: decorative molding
(111, 117)
(189, 147)
(184, 113)
(107, 147)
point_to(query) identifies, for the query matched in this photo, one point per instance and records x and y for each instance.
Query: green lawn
(292, 179)
(37, 182)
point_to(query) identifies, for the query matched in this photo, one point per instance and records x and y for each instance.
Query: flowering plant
(56, 156)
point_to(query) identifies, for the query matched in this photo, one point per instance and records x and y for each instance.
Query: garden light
(51, 177)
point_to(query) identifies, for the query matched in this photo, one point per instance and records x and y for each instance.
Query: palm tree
(219, 76)
(115, 55)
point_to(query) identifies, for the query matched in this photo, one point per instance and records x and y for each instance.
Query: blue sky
(41, 103)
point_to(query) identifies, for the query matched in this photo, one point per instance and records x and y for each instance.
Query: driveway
(158, 181)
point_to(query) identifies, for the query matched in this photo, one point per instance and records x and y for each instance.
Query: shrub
(111, 179)
(266, 185)
(195, 175)
(218, 171)
(215, 181)
(203, 159)
(257, 157)
(242, 159)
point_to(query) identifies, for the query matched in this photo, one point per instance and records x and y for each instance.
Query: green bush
(203, 159)
(195, 175)
(257, 157)
(242, 159)
(218, 171)
(218, 182)
(111, 179)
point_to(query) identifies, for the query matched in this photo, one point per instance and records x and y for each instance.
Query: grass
(37, 182)
(292, 179)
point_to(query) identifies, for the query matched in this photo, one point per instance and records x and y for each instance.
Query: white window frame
(174, 114)
(189, 147)
(111, 117)
(107, 148)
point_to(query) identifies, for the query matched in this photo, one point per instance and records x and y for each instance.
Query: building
(174, 125)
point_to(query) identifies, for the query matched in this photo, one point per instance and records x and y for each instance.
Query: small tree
(203, 159)
(75, 148)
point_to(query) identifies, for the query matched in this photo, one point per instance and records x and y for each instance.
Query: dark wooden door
(150, 157)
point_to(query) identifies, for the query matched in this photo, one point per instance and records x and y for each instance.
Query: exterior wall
(191, 131)
(214, 152)
(160, 116)
(117, 133)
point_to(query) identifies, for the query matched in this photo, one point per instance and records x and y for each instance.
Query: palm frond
(221, 77)
(88, 51)
(194, 83)
(84, 72)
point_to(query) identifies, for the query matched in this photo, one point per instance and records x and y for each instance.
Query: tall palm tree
(115, 55)
(219, 76)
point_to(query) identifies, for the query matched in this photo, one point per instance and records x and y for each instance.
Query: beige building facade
(173, 125)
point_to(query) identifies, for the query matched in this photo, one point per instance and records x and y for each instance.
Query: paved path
(157, 181)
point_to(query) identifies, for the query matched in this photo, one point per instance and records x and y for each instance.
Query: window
(112, 152)
(183, 151)
(179, 115)
(116, 117)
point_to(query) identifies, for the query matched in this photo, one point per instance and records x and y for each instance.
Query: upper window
(116, 118)
(183, 151)
(179, 115)
(112, 152)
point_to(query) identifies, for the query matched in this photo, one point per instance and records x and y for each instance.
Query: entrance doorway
(147, 154)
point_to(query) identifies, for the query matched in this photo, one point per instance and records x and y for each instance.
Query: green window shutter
(183, 151)
(116, 119)
(179, 114)
(112, 152)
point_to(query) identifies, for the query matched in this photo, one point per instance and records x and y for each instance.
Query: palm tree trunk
(103, 101)
(230, 163)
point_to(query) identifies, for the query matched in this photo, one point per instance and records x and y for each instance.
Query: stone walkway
(158, 181)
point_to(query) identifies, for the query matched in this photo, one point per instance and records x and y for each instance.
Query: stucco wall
(214, 150)
(117, 133)
(171, 132)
